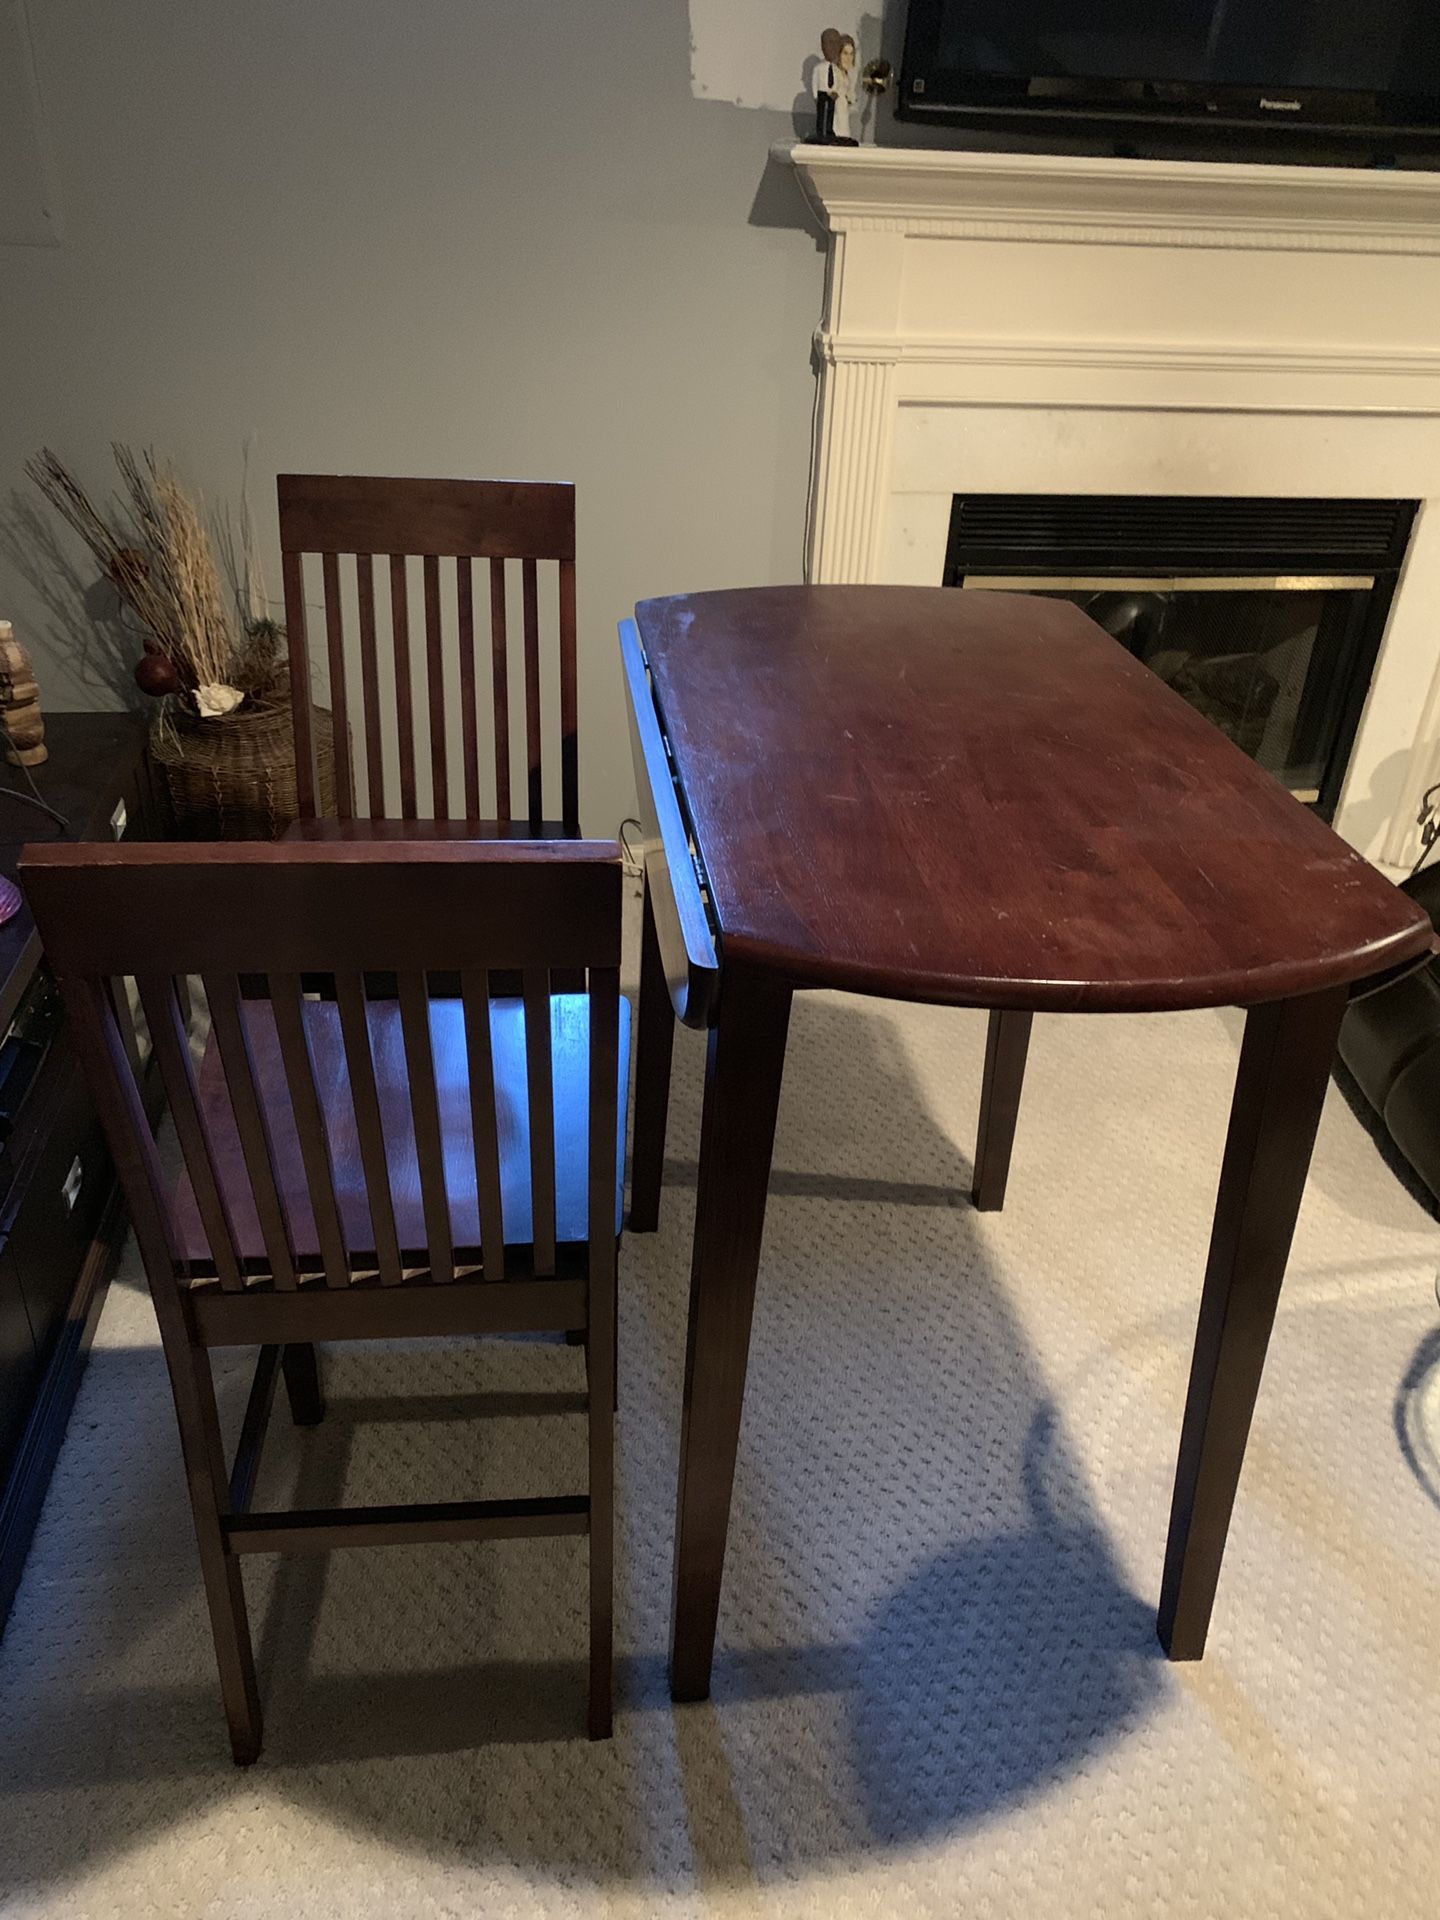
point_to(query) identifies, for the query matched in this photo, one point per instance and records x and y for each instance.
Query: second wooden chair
(413, 752)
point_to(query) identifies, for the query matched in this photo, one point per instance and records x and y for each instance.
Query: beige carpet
(938, 1689)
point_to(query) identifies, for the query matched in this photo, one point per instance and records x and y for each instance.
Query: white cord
(811, 479)
(634, 861)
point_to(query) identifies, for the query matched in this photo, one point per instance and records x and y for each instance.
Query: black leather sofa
(1391, 1044)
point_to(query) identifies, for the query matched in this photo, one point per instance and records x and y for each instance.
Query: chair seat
(570, 1041)
(333, 832)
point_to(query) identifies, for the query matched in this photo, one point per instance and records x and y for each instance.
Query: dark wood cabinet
(64, 1196)
(18, 1365)
(61, 1223)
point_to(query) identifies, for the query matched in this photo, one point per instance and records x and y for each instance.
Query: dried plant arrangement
(223, 740)
(203, 645)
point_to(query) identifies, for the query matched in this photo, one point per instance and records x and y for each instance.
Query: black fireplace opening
(1266, 615)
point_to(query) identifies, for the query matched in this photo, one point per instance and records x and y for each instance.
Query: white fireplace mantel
(1172, 203)
(1050, 323)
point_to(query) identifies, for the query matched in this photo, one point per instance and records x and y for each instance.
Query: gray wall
(412, 236)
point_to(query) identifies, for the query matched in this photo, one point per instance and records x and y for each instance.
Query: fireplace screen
(1280, 662)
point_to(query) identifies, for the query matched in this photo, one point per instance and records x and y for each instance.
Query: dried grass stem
(157, 553)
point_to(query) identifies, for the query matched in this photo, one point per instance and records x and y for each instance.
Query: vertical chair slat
(299, 1063)
(500, 670)
(172, 1052)
(539, 1079)
(435, 682)
(124, 1014)
(370, 688)
(530, 600)
(404, 690)
(365, 1097)
(604, 1094)
(469, 716)
(425, 1110)
(116, 1093)
(569, 709)
(603, 1169)
(484, 1120)
(292, 569)
(335, 650)
(227, 1021)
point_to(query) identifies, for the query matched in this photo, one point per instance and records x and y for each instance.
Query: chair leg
(582, 1339)
(302, 1385)
(200, 1443)
(601, 1357)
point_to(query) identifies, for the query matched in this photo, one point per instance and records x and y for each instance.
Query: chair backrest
(314, 1084)
(372, 661)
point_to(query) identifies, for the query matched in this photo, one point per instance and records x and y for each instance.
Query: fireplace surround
(1011, 324)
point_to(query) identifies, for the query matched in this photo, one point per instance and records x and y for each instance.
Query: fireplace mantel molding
(960, 195)
(1052, 323)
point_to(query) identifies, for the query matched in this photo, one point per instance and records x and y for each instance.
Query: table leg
(654, 1040)
(744, 1065)
(1007, 1042)
(1279, 1091)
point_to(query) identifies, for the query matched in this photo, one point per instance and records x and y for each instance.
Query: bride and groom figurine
(834, 90)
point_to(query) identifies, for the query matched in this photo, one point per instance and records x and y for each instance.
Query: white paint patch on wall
(753, 52)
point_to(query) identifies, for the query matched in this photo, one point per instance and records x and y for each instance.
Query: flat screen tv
(1322, 67)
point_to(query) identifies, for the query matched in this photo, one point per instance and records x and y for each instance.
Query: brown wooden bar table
(976, 800)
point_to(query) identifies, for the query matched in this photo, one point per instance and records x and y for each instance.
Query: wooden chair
(357, 1169)
(383, 735)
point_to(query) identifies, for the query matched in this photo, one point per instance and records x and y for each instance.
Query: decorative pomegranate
(155, 675)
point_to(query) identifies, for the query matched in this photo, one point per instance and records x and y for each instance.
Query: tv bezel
(955, 96)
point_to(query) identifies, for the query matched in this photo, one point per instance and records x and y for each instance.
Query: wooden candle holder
(20, 703)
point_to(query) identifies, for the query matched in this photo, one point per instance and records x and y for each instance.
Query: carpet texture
(937, 1690)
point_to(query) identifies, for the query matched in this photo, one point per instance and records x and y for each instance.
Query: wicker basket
(234, 779)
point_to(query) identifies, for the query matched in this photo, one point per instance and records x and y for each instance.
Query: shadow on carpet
(923, 1620)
